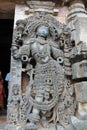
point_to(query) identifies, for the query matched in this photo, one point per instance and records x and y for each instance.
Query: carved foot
(31, 126)
(45, 122)
(60, 127)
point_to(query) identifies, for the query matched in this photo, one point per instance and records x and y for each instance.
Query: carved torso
(40, 52)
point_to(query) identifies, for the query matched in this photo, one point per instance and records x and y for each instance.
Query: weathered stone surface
(60, 127)
(82, 115)
(51, 93)
(81, 91)
(77, 124)
(8, 12)
(81, 34)
(79, 70)
(22, 12)
(43, 49)
(76, 9)
(46, 6)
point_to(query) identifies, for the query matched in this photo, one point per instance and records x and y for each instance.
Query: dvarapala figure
(47, 74)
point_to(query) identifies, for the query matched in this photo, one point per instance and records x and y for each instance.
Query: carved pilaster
(77, 20)
(76, 9)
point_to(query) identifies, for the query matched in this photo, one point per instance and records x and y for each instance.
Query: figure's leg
(34, 116)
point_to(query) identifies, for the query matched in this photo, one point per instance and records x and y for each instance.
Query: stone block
(79, 70)
(82, 115)
(81, 92)
(77, 124)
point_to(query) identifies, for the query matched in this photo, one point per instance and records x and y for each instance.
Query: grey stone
(60, 127)
(82, 115)
(81, 91)
(79, 70)
(77, 124)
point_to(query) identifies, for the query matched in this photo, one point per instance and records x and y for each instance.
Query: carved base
(52, 127)
(18, 127)
(31, 126)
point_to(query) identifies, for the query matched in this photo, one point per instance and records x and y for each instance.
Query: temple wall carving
(48, 68)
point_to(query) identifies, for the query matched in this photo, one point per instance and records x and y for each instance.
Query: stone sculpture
(40, 51)
(48, 72)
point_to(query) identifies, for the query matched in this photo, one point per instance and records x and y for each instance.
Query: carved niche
(41, 94)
